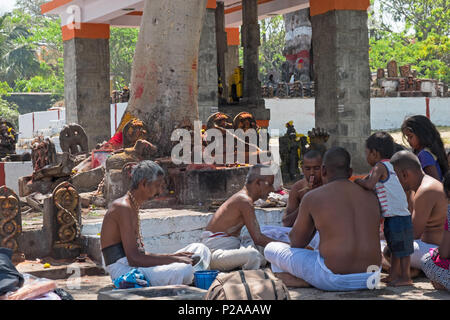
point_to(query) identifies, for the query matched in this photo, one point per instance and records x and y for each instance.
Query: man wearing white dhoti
(121, 239)
(222, 234)
(347, 218)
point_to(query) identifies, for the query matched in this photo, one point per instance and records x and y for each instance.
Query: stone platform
(164, 230)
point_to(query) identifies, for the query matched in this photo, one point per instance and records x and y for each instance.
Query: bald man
(348, 220)
(222, 234)
(428, 204)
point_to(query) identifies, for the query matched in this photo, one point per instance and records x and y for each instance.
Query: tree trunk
(164, 75)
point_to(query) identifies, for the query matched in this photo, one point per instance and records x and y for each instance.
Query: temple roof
(128, 13)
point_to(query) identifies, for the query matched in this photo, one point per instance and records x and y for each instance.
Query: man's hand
(301, 192)
(311, 182)
(184, 257)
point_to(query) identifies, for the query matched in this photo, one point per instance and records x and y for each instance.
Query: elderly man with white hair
(121, 238)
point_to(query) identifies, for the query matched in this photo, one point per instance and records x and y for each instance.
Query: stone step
(60, 270)
(168, 230)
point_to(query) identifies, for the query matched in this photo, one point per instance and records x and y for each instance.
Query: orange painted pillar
(322, 6)
(87, 79)
(341, 66)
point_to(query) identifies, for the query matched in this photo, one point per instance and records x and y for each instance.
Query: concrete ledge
(168, 230)
(176, 292)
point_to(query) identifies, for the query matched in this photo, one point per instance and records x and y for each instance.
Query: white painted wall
(15, 170)
(386, 113)
(43, 120)
(117, 111)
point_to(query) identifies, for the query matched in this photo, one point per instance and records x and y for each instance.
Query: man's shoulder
(120, 207)
(241, 197)
(430, 187)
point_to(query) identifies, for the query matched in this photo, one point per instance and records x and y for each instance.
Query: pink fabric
(442, 263)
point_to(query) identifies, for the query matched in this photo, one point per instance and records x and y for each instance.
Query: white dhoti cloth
(169, 274)
(309, 266)
(420, 249)
(282, 234)
(229, 253)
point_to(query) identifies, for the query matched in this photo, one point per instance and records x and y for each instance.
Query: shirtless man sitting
(428, 205)
(121, 239)
(348, 219)
(311, 168)
(222, 234)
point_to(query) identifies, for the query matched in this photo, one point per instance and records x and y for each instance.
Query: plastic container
(204, 279)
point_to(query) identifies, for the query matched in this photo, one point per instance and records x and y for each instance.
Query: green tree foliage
(272, 38)
(8, 111)
(31, 7)
(122, 44)
(32, 53)
(425, 17)
(424, 41)
(272, 44)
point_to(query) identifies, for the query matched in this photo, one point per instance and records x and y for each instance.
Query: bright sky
(6, 5)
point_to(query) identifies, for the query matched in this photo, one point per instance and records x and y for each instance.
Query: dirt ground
(422, 289)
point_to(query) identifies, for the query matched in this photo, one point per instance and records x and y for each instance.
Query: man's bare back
(348, 219)
(429, 211)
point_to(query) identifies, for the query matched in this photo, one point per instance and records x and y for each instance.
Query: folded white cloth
(169, 274)
(309, 266)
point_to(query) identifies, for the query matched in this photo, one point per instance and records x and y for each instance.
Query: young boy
(398, 228)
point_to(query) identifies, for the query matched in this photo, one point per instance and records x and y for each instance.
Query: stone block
(34, 244)
(92, 246)
(114, 187)
(203, 186)
(89, 180)
(174, 292)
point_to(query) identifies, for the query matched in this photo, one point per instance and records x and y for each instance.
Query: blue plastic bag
(133, 279)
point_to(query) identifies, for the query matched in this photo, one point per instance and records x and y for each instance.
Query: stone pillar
(231, 59)
(341, 67)
(207, 66)
(222, 48)
(86, 80)
(250, 43)
(252, 100)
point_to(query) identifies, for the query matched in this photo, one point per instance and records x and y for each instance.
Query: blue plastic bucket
(204, 279)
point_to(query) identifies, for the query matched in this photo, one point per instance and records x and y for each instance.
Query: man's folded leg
(309, 266)
(226, 260)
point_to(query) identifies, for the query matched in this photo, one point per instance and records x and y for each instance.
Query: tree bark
(164, 75)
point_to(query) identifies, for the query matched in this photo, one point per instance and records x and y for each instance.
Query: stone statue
(142, 150)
